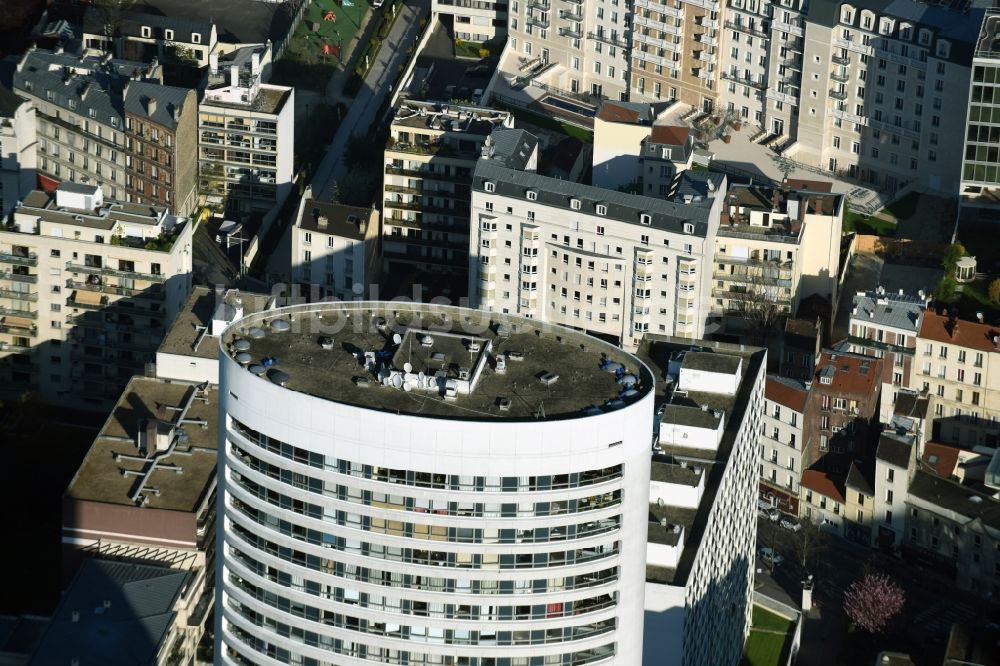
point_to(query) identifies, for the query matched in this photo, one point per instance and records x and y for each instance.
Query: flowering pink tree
(873, 601)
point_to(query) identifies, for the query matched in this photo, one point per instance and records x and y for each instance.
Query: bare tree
(754, 297)
(112, 13)
(808, 541)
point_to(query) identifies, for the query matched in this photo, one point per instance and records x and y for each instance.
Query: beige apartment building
(958, 364)
(675, 51)
(780, 245)
(569, 46)
(87, 288)
(611, 263)
(429, 159)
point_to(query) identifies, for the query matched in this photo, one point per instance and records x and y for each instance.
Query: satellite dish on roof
(396, 338)
(407, 367)
(397, 381)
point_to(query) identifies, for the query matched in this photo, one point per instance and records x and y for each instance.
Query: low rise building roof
(941, 459)
(911, 404)
(190, 333)
(894, 449)
(847, 373)
(335, 219)
(669, 135)
(899, 311)
(790, 393)
(956, 498)
(113, 613)
(861, 477)
(950, 330)
(825, 484)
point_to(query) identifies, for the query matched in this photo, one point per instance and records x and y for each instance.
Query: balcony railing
(114, 272)
(570, 15)
(19, 259)
(114, 290)
(18, 295)
(538, 21)
(730, 76)
(748, 29)
(435, 175)
(17, 277)
(539, 4)
(11, 347)
(838, 94)
(613, 40)
(574, 32)
(31, 331)
(841, 60)
(840, 78)
(10, 312)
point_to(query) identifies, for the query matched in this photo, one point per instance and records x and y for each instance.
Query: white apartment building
(885, 326)
(18, 150)
(429, 159)
(472, 20)
(702, 502)
(87, 287)
(334, 250)
(882, 93)
(246, 135)
(982, 141)
(781, 442)
(582, 46)
(611, 263)
(143, 36)
(895, 462)
(780, 245)
(488, 506)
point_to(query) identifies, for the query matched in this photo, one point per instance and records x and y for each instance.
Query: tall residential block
(429, 159)
(412, 483)
(18, 154)
(703, 491)
(88, 287)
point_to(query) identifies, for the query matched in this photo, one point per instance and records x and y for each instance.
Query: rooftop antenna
(540, 413)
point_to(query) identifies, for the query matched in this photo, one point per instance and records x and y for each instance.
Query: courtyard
(321, 44)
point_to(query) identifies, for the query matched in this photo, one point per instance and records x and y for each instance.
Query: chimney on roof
(776, 200)
(981, 317)
(362, 224)
(213, 64)
(234, 75)
(150, 106)
(255, 63)
(175, 112)
(322, 221)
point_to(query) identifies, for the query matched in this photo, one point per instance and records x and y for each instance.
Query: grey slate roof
(125, 611)
(132, 23)
(236, 21)
(9, 102)
(168, 98)
(953, 496)
(512, 147)
(94, 92)
(711, 362)
(862, 480)
(893, 450)
(901, 311)
(555, 192)
(694, 417)
(341, 220)
(670, 472)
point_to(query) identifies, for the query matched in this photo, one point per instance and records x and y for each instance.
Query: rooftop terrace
(115, 471)
(436, 361)
(190, 334)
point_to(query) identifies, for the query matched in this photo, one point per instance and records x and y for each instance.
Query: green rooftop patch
(770, 639)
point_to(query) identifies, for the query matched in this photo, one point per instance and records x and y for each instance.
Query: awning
(87, 297)
(17, 322)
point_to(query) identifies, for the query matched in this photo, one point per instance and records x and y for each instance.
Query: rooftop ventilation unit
(548, 378)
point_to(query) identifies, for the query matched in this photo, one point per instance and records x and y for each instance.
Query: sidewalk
(372, 94)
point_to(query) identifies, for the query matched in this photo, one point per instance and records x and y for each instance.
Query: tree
(873, 601)
(994, 291)
(112, 13)
(808, 541)
(755, 299)
(951, 255)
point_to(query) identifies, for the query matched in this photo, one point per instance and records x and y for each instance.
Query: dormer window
(905, 31)
(847, 14)
(924, 37)
(196, 38)
(48, 95)
(688, 228)
(114, 121)
(28, 85)
(490, 186)
(168, 34)
(943, 49)
(602, 209)
(72, 105)
(146, 31)
(532, 195)
(645, 218)
(92, 113)
(574, 204)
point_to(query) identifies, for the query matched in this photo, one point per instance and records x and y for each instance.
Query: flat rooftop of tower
(436, 361)
(116, 471)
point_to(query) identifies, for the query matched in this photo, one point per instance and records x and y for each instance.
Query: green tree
(994, 291)
(951, 255)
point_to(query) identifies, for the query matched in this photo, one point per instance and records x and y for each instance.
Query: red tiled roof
(670, 135)
(821, 483)
(785, 394)
(970, 334)
(940, 459)
(613, 113)
(852, 380)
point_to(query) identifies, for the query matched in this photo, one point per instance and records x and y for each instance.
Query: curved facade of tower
(419, 484)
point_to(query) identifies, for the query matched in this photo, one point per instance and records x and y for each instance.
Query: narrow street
(361, 111)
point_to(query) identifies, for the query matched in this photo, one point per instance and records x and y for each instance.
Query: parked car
(790, 524)
(770, 513)
(770, 556)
